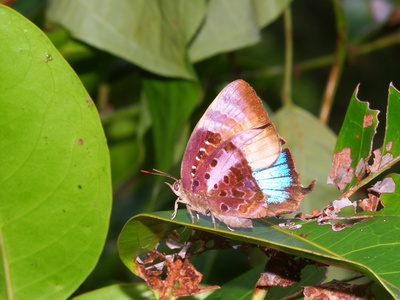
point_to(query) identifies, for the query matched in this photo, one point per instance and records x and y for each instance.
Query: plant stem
(287, 83)
(337, 67)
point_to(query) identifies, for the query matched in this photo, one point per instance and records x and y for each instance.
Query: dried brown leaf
(182, 279)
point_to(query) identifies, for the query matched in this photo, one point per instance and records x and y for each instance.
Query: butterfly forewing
(236, 109)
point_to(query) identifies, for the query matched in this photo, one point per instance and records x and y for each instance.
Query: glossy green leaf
(356, 135)
(138, 237)
(233, 24)
(312, 146)
(365, 247)
(55, 187)
(151, 34)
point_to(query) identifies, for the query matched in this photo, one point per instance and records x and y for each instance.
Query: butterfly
(234, 168)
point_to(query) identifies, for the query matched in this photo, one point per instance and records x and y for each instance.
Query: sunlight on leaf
(151, 34)
(55, 193)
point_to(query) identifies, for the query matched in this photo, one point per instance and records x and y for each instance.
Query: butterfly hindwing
(260, 193)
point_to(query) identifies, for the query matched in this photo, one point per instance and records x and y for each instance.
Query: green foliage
(55, 195)
(152, 68)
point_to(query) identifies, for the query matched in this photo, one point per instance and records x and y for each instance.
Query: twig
(287, 83)
(336, 70)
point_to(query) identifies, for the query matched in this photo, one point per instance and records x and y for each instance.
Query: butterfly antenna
(158, 172)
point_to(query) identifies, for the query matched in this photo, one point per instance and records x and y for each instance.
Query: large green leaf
(55, 187)
(151, 34)
(312, 145)
(233, 24)
(370, 247)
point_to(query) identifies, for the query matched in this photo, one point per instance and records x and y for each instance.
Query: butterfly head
(176, 187)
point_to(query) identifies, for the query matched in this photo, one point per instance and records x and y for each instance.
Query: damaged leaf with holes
(168, 275)
(351, 166)
(354, 166)
(354, 145)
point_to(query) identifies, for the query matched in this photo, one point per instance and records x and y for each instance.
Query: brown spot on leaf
(388, 146)
(387, 185)
(386, 159)
(360, 167)
(338, 290)
(377, 161)
(368, 118)
(328, 216)
(281, 270)
(371, 203)
(182, 279)
(341, 172)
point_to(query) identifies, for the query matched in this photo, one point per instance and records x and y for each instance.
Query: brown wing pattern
(236, 109)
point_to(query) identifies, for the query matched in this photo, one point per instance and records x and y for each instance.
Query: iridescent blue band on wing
(274, 180)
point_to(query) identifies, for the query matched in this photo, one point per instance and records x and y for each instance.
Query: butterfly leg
(191, 214)
(176, 208)
(213, 219)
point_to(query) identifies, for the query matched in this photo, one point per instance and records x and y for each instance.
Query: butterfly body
(234, 168)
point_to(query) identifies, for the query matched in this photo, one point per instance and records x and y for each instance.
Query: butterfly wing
(235, 110)
(247, 193)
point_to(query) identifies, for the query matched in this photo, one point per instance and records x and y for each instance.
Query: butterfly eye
(176, 186)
